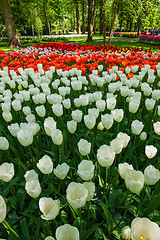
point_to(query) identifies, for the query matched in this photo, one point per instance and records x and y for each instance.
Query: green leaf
(91, 230)
(24, 227)
(21, 193)
(154, 203)
(108, 217)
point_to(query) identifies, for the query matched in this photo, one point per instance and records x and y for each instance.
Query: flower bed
(150, 39)
(79, 143)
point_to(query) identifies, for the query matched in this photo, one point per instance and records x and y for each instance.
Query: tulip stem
(127, 208)
(142, 199)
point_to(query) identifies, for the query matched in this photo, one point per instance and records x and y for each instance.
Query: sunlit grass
(97, 40)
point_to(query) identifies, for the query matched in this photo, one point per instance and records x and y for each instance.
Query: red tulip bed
(79, 143)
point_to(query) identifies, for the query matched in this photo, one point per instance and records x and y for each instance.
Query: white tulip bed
(79, 153)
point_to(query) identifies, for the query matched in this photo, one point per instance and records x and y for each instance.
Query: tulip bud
(143, 136)
(126, 233)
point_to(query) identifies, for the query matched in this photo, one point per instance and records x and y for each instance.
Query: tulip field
(79, 143)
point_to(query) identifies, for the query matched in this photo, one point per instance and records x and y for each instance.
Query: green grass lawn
(97, 40)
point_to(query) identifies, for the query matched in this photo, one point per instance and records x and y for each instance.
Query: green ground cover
(97, 40)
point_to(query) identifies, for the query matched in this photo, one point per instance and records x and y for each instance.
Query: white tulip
(84, 147)
(72, 126)
(107, 120)
(77, 115)
(4, 144)
(6, 171)
(86, 170)
(124, 137)
(150, 151)
(90, 186)
(134, 180)
(90, 121)
(105, 155)
(157, 128)
(67, 232)
(26, 110)
(144, 229)
(76, 194)
(13, 129)
(57, 137)
(111, 103)
(58, 109)
(49, 125)
(31, 175)
(117, 145)
(40, 110)
(137, 127)
(150, 103)
(7, 116)
(61, 171)
(151, 175)
(101, 104)
(3, 209)
(45, 164)
(25, 136)
(118, 114)
(16, 104)
(67, 103)
(122, 167)
(49, 207)
(33, 188)
(30, 118)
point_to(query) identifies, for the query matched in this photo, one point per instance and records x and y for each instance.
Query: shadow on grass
(4, 45)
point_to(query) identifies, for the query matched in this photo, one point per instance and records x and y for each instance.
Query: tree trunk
(104, 21)
(91, 17)
(100, 18)
(83, 17)
(113, 17)
(9, 22)
(77, 17)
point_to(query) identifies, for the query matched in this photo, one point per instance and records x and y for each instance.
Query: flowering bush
(79, 143)
(149, 39)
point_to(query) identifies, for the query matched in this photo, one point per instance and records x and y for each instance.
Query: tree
(91, 17)
(113, 17)
(9, 22)
(104, 21)
(77, 17)
(83, 17)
